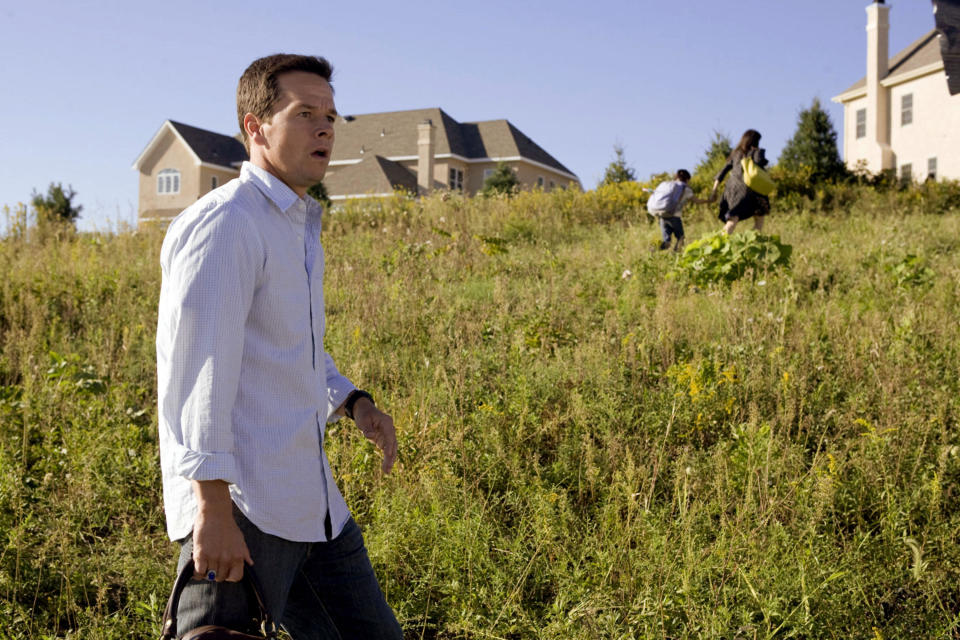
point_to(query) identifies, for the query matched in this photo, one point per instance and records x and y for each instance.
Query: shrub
(721, 257)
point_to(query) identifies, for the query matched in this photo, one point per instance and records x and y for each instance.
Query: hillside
(592, 445)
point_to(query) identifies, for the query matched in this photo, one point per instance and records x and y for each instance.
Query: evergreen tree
(319, 193)
(618, 171)
(57, 205)
(502, 180)
(713, 160)
(814, 145)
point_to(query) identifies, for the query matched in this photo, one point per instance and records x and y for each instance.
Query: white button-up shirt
(245, 386)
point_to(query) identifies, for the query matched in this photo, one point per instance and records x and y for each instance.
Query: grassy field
(592, 444)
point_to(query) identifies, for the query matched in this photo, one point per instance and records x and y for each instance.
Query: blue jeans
(671, 226)
(316, 590)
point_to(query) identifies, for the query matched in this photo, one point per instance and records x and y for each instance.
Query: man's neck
(262, 163)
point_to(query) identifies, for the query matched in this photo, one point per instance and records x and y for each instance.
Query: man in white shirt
(245, 388)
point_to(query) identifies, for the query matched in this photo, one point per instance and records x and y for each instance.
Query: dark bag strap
(169, 625)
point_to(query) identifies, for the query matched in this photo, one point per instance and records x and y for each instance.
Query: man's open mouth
(319, 153)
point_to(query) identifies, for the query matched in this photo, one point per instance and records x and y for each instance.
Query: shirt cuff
(196, 465)
(337, 391)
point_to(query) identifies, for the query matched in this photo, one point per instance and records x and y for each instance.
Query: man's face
(295, 143)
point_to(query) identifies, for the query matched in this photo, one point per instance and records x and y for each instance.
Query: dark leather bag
(268, 629)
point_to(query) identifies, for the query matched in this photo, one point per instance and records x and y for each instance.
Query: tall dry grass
(583, 454)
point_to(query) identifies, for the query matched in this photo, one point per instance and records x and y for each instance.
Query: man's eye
(304, 114)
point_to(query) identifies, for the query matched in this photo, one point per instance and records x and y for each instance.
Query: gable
(212, 148)
(922, 53)
(204, 147)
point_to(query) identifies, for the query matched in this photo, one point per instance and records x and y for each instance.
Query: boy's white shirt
(687, 194)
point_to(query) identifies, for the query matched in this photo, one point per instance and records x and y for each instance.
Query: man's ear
(252, 125)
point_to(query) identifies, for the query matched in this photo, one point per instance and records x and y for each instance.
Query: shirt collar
(271, 186)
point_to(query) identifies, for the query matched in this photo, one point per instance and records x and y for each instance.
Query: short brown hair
(257, 91)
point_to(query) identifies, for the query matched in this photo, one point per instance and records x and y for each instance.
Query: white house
(901, 115)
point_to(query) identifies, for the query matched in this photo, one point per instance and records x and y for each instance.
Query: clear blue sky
(86, 84)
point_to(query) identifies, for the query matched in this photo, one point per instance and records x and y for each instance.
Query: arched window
(168, 181)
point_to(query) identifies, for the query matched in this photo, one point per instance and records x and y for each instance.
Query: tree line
(809, 159)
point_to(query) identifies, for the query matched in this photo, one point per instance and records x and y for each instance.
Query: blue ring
(211, 575)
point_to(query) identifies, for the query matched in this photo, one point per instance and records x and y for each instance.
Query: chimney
(425, 152)
(878, 96)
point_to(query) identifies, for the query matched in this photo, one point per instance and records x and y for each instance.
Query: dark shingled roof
(394, 134)
(214, 148)
(924, 51)
(373, 174)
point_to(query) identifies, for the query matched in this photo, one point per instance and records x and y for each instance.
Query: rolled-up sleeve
(338, 388)
(210, 271)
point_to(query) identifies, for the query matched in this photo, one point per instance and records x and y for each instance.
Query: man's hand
(377, 427)
(218, 543)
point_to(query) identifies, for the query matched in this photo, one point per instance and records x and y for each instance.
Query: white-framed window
(906, 173)
(906, 109)
(552, 184)
(861, 123)
(487, 173)
(540, 181)
(456, 179)
(931, 169)
(168, 181)
(214, 182)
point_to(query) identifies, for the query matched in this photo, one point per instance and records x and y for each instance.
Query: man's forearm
(213, 497)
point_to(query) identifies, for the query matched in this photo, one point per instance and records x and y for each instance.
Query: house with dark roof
(180, 164)
(425, 149)
(375, 154)
(901, 116)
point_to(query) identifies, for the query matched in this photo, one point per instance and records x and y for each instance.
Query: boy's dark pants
(671, 226)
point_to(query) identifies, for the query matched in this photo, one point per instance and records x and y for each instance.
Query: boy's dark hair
(257, 91)
(683, 175)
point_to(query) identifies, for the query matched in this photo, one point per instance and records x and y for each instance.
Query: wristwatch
(351, 400)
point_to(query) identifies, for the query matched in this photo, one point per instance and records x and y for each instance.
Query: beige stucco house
(901, 115)
(180, 164)
(425, 149)
(375, 154)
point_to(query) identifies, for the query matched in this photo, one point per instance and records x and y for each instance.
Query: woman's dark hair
(683, 175)
(749, 140)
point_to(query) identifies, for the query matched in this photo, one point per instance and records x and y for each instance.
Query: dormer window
(168, 182)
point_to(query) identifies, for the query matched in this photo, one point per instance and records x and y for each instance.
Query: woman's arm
(720, 176)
